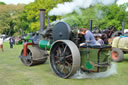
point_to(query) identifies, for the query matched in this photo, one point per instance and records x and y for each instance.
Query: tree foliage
(32, 12)
(2, 3)
(102, 16)
(9, 17)
(20, 18)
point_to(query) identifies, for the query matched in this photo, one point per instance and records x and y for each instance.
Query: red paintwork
(25, 46)
(115, 55)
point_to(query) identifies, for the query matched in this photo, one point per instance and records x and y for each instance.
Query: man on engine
(89, 37)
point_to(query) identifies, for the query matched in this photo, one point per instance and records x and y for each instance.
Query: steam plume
(75, 5)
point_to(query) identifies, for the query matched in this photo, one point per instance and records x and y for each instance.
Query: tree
(102, 16)
(32, 11)
(15, 18)
(8, 17)
(2, 3)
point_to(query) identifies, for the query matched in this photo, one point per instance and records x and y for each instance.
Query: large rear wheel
(64, 58)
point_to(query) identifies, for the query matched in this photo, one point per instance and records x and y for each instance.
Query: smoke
(120, 2)
(99, 14)
(61, 20)
(75, 5)
(83, 75)
(126, 9)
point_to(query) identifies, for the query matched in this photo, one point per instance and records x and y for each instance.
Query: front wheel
(27, 60)
(34, 56)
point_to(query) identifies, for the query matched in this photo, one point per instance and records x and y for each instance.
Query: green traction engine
(65, 56)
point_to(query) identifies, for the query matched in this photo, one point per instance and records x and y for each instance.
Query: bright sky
(28, 1)
(16, 1)
(119, 2)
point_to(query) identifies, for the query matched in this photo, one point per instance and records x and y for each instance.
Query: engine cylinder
(44, 44)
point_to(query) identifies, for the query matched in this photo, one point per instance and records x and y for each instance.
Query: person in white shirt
(99, 40)
(1, 43)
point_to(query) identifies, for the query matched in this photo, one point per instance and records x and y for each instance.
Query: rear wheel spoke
(58, 66)
(68, 56)
(65, 49)
(56, 57)
(69, 66)
(62, 68)
(59, 51)
(58, 62)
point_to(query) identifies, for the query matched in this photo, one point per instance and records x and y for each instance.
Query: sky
(28, 1)
(119, 2)
(16, 1)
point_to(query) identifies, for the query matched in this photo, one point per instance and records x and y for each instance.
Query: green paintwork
(20, 42)
(89, 59)
(44, 44)
(27, 37)
(30, 41)
(88, 65)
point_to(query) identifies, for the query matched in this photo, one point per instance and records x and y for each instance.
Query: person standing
(14, 41)
(1, 44)
(11, 42)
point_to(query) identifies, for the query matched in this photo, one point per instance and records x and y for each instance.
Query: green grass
(13, 72)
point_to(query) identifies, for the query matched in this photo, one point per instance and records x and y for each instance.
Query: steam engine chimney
(48, 26)
(123, 26)
(42, 19)
(90, 25)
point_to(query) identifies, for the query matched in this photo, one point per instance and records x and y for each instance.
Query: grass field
(13, 72)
